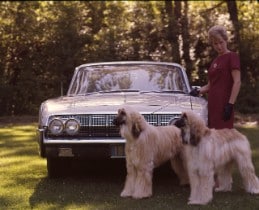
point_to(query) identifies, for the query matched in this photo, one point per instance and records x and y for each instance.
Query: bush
(248, 99)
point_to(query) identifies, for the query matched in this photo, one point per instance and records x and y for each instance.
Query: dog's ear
(136, 130)
(137, 126)
(194, 134)
(195, 137)
(194, 140)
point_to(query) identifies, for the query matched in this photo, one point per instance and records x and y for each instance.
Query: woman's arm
(205, 88)
(236, 86)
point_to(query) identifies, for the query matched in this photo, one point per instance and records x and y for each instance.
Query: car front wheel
(57, 167)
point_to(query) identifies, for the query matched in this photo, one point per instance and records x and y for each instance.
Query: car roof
(131, 62)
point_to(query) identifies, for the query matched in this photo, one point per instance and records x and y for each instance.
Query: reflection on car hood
(110, 103)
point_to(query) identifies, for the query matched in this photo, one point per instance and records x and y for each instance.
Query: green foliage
(248, 98)
(43, 41)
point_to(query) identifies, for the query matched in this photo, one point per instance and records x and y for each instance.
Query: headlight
(56, 126)
(72, 127)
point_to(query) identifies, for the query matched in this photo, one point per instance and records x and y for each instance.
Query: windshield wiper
(83, 94)
(163, 91)
(172, 91)
(119, 91)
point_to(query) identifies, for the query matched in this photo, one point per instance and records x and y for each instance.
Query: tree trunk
(232, 9)
(186, 40)
(173, 28)
(233, 12)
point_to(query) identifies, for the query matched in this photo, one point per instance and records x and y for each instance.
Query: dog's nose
(179, 123)
(184, 141)
(115, 121)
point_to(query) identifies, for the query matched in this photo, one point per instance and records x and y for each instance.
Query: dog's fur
(147, 147)
(210, 151)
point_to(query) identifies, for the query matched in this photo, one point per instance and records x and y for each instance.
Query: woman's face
(220, 45)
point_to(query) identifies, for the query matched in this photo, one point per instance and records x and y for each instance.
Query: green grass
(24, 183)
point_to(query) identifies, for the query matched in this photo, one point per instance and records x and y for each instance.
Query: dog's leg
(202, 181)
(143, 184)
(195, 187)
(128, 189)
(247, 171)
(178, 164)
(206, 184)
(224, 176)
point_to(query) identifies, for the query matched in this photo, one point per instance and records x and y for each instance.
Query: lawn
(25, 185)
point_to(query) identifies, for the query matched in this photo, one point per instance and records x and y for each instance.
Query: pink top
(221, 83)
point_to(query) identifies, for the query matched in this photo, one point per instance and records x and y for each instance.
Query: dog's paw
(193, 202)
(196, 202)
(184, 183)
(223, 189)
(253, 191)
(141, 196)
(125, 194)
(138, 195)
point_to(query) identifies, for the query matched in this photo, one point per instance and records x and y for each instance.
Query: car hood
(110, 103)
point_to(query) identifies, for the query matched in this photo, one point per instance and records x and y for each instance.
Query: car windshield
(127, 78)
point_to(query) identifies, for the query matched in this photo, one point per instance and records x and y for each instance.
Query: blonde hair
(217, 31)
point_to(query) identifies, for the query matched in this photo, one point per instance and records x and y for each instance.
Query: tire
(57, 167)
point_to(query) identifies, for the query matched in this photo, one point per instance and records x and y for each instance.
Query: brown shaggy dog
(147, 147)
(210, 151)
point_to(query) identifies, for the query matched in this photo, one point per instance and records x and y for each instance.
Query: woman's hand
(228, 109)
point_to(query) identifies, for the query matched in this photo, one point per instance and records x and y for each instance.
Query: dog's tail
(246, 167)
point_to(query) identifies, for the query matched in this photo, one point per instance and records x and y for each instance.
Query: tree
(43, 41)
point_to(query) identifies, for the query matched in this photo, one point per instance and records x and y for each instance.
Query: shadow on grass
(98, 185)
(18, 141)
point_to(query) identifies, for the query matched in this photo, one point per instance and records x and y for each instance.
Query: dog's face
(121, 117)
(181, 122)
(188, 136)
(130, 119)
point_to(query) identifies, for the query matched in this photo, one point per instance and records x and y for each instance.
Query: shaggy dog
(147, 147)
(210, 151)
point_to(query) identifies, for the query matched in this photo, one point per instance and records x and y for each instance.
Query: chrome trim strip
(107, 141)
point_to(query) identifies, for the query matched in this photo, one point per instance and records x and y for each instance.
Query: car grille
(101, 125)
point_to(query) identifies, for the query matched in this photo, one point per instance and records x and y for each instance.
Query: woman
(223, 81)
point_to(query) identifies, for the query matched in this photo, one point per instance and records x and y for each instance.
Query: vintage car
(79, 125)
